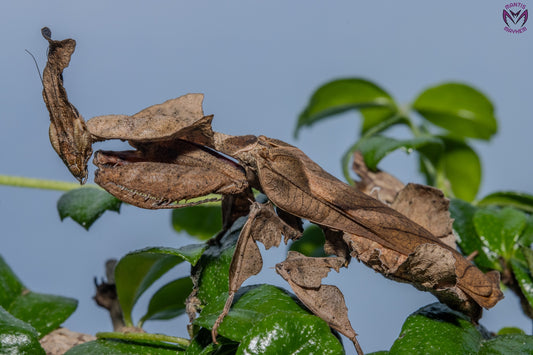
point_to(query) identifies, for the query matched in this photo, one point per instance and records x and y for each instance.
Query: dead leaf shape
(335, 245)
(263, 225)
(423, 204)
(235, 206)
(380, 185)
(296, 184)
(428, 207)
(300, 187)
(68, 132)
(166, 175)
(181, 118)
(304, 275)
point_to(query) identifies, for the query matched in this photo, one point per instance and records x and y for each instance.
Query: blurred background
(257, 64)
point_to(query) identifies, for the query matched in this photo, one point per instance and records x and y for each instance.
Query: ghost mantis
(177, 157)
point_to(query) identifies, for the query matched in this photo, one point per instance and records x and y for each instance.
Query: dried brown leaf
(61, 340)
(335, 245)
(247, 260)
(304, 275)
(433, 268)
(181, 118)
(308, 271)
(428, 207)
(294, 222)
(378, 184)
(159, 175)
(68, 132)
(235, 206)
(263, 225)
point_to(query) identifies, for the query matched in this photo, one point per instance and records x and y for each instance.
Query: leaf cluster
(450, 115)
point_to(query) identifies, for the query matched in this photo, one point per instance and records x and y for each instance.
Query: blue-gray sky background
(257, 64)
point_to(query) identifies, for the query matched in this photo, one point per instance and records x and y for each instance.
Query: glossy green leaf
(212, 270)
(510, 330)
(500, 229)
(136, 271)
(311, 243)
(342, 95)
(115, 347)
(378, 119)
(375, 148)
(17, 337)
(169, 301)
(459, 108)
(436, 329)
(463, 214)
(526, 238)
(10, 285)
(523, 275)
(43, 312)
(516, 344)
(286, 333)
(461, 166)
(199, 221)
(514, 199)
(85, 205)
(528, 256)
(251, 304)
(202, 344)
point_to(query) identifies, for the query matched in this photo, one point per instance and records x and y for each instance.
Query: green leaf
(199, 221)
(376, 148)
(459, 108)
(500, 229)
(17, 337)
(525, 281)
(528, 256)
(460, 165)
(136, 271)
(251, 304)
(510, 330)
(342, 95)
(527, 234)
(347, 157)
(43, 312)
(311, 243)
(212, 270)
(516, 344)
(202, 344)
(514, 199)
(114, 347)
(169, 301)
(286, 333)
(463, 214)
(10, 285)
(85, 205)
(436, 329)
(378, 119)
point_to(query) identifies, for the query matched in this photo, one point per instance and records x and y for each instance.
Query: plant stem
(150, 337)
(20, 181)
